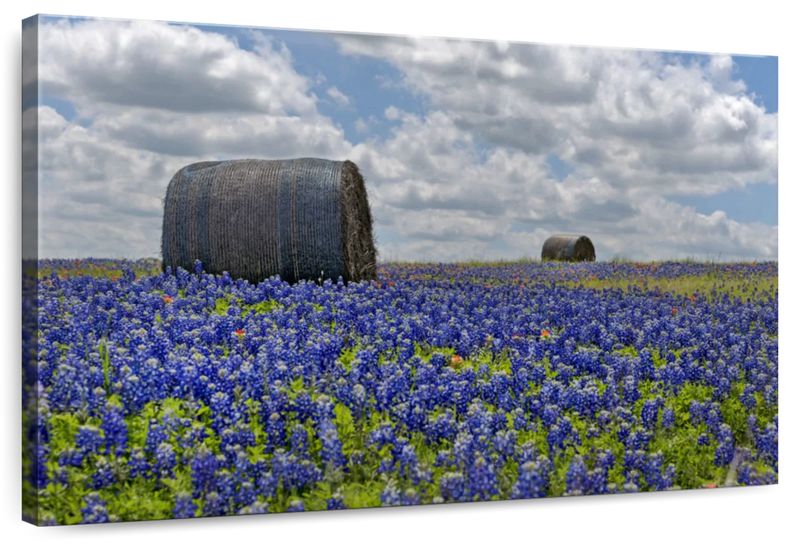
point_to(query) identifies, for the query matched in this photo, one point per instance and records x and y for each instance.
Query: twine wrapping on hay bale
(299, 219)
(568, 247)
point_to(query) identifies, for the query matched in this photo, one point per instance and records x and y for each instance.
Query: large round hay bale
(568, 247)
(300, 219)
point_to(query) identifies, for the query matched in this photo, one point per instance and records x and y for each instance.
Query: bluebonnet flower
(296, 506)
(204, 342)
(193, 435)
(696, 412)
(213, 505)
(771, 394)
(71, 457)
(631, 484)
(391, 495)
(504, 443)
(441, 428)
(624, 431)
(276, 430)
(332, 454)
(103, 475)
(95, 510)
(767, 443)
(408, 462)
(444, 459)
(604, 419)
(267, 484)
(156, 435)
(481, 480)
(521, 421)
(247, 493)
(382, 436)
(713, 418)
(184, 506)
(533, 479)
(410, 498)
(630, 390)
(634, 461)
(725, 451)
(669, 475)
(257, 507)
(357, 458)
(650, 414)
(41, 466)
(578, 480)
(746, 475)
(336, 502)
(226, 488)
(88, 439)
(61, 476)
(654, 476)
(638, 439)
(668, 418)
(453, 487)
(165, 462)
(204, 467)
(115, 431)
(550, 415)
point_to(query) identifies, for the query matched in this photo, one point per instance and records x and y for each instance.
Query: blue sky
(758, 203)
(468, 147)
(360, 78)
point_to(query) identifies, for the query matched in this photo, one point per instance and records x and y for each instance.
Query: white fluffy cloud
(635, 126)
(341, 99)
(467, 178)
(149, 99)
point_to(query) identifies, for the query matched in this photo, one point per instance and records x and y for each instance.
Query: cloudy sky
(470, 149)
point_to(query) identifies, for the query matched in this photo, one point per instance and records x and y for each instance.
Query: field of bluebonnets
(174, 396)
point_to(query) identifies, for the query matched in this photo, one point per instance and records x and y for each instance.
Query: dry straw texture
(300, 219)
(568, 247)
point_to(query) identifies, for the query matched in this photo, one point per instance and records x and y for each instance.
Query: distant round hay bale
(568, 247)
(300, 219)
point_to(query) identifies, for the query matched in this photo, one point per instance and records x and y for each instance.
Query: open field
(190, 395)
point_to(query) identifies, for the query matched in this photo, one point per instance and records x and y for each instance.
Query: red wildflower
(710, 485)
(545, 333)
(674, 311)
(168, 299)
(240, 332)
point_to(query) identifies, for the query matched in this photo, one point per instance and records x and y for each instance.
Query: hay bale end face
(568, 247)
(300, 219)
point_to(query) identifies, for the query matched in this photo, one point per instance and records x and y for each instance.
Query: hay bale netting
(300, 219)
(568, 247)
